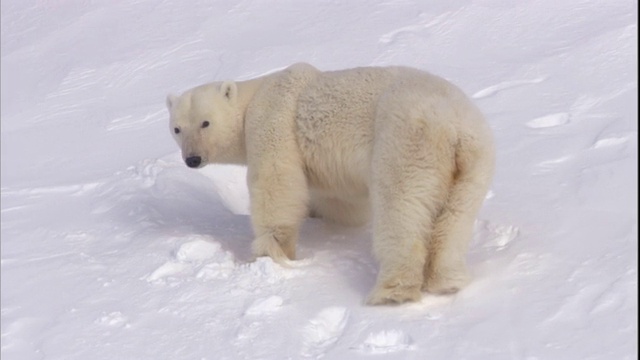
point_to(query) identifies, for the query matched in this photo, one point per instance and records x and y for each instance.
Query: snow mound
(549, 121)
(387, 341)
(264, 306)
(323, 331)
(202, 257)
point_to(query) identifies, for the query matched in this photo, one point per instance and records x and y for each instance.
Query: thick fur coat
(395, 145)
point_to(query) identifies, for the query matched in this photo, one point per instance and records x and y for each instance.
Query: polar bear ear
(171, 99)
(229, 90)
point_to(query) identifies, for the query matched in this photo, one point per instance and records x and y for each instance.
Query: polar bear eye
(176, 130)
(205, 124)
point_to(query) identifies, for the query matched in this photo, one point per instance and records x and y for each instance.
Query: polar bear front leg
(279, 200)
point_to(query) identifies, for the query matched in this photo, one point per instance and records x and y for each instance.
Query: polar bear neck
(246, 91)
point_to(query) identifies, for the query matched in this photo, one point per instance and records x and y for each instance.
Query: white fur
(399, 144)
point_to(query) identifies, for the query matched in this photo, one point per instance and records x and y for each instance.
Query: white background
(113, 249)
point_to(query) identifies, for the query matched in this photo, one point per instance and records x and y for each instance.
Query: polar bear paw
(394, 294)
(268, 245)
(446, 281)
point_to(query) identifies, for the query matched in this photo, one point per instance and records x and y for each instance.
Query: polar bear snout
(193, 161)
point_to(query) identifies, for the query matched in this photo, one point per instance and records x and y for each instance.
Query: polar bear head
(207, 125)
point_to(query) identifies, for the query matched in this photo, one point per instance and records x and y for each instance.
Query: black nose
(193, 161)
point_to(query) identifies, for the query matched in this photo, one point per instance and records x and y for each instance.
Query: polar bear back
(339, 114)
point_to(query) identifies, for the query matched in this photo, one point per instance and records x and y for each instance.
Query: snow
(323, 331)
(113, 249)
(386, 342)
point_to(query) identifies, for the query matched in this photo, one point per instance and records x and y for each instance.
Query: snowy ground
(113, 249)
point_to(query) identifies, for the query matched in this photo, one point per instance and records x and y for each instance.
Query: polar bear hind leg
(445, 269)
(410, 178)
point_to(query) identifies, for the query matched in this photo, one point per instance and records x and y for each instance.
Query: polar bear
(396, 146)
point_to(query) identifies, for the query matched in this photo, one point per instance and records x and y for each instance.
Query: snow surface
(113, 249)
